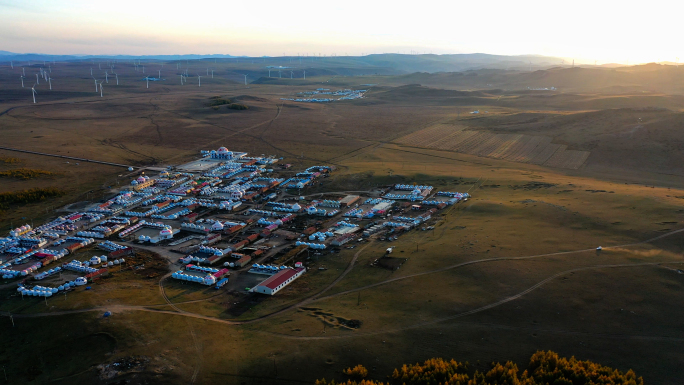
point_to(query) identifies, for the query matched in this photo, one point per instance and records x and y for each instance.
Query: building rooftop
(283, 275)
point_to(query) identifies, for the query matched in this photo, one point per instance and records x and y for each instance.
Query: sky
(587, 31)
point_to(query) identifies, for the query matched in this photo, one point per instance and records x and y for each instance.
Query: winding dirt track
(319, 296)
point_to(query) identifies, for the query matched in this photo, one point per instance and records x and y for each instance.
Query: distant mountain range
(387, 63)
(397, 62)
(6, 55)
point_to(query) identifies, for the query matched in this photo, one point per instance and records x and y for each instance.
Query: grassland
(509, 272)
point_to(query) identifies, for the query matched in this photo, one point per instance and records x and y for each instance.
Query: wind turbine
(159, 74)
(37, 81)
(207, 71)
(291, 74)
(50, 82)
(11, 64)
(148, 81)
(269, 73)
(106, 78)
(33, 91)
(95, 85)
(100, 89)
(245, 79)
(304, 74)
(199, 81)
(117, 79)
(23, 71)
(22, 81)
(212, 74)
(181, 79)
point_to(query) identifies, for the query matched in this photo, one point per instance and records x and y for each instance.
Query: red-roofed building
(278, 281)
(243, 261)
(96, 274)
(191, 218)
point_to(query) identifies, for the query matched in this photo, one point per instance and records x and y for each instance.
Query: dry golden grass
(585, 306)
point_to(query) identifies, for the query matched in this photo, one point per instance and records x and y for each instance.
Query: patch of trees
(25, 173)
(9, 160)
(218, 101)
(545, 367)
(237, 106)
(28, 196)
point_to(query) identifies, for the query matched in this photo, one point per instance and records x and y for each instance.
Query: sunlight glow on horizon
(583, 30)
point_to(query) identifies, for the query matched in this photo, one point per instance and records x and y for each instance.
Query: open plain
(552, 175)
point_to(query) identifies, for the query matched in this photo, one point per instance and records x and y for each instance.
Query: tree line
(544, 368)
(25, 173)
(28, 196)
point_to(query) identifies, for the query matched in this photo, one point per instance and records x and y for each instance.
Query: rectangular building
(349, 200)
(278, 281)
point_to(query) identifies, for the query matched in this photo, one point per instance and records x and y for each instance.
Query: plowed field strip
(536, 150)
(506, 146)
(512, 147)
(547, 153)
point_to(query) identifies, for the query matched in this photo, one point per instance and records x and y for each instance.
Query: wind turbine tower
(199, 81)
(33, 91)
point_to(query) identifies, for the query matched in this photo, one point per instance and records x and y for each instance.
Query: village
(214, 218)
(333, 96)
